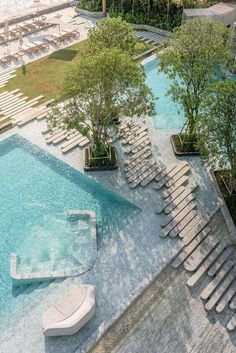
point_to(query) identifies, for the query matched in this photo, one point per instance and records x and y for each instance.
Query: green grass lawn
(45, 76)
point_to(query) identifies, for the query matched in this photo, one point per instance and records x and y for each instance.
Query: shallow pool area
(37, 189)
(169, 116)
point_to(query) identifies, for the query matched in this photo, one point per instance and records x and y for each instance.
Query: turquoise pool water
(36, 191)
(169, 116)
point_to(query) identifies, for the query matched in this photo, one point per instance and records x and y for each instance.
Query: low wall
(87, 13)
(151, 29)
(29, 16)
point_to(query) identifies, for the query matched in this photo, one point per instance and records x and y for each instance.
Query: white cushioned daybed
(71, 312)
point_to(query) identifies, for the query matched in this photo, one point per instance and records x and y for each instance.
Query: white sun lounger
(71, 313)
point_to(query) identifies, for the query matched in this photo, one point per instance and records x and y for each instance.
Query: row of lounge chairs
(37, 46)
(64, 36)
(26, 28)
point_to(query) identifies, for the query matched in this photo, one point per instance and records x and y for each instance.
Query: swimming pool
(36, 191)
(169, 116)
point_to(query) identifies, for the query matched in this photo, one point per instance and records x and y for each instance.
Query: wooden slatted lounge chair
(41, 45)
(143, 176)
(211, 287)
(230, 277)
(179, 199)
(71, 313)
(224, 301)
(177, 210)
(175, 221)
(220, 261)
(190, 248)
(170, 175)
(170, 199)
(200, 254)
(198, 227)
(232, 323)
(175, 186)
(185, 221)
(178, 176)
(137, 168)
(206, 264)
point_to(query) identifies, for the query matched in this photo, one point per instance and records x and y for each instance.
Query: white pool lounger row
(71, 313)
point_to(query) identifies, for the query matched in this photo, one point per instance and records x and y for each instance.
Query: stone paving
(138, 253)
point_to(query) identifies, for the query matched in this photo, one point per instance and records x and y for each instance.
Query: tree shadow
(63, 55)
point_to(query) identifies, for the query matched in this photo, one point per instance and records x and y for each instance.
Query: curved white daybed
(71, 312)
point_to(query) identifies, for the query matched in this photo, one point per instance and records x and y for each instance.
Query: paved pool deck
(128, 260)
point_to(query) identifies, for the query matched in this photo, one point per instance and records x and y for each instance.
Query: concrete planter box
(87, 168)
(181, 154)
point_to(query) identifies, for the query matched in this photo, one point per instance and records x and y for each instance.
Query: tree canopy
(112, 33)
(104, 87)
(196, 56)
(217, 128)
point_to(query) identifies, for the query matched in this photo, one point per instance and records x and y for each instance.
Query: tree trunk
(104, 8)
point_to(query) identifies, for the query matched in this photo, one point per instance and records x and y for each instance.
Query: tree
(197, 52)
(217, 129)
(104, 87)
(112, 33)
